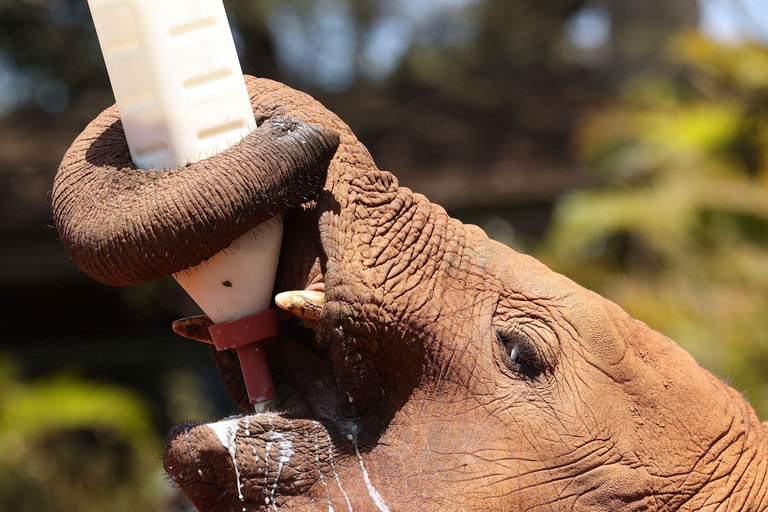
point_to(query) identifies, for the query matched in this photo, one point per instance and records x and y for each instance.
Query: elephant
(441, 370)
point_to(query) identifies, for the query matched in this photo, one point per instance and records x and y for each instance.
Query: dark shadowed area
(497, 110)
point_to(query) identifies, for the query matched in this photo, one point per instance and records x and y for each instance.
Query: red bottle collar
(243, 331)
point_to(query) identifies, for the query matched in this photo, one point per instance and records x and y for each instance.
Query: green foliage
(67, 444)
(677, 230)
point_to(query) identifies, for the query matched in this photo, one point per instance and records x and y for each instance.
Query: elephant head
(446, 371)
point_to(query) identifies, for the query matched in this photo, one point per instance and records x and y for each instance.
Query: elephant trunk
(126, 226)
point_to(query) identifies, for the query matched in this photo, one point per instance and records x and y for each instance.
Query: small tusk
(304, 303)
(194, 328)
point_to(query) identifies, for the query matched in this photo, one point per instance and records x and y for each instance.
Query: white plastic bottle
(182, 98)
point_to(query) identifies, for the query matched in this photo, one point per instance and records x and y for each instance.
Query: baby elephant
(435, 369)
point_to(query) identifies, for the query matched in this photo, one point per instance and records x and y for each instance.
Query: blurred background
(624, 143)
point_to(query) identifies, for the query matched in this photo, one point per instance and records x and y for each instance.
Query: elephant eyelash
(520, 354)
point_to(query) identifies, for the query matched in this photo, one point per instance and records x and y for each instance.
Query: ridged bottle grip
(176, 78)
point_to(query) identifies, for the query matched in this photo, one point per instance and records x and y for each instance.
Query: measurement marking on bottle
(197, 81)
(221, 129)
(138, 99)
(123, 49)
(186, 28)
(152, 148)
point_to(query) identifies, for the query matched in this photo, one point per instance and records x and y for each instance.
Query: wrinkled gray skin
(448, 372)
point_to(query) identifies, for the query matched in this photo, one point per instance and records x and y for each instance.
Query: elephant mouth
(305, 382)
(253, 461)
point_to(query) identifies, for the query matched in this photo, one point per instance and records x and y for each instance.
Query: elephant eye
(521, 355)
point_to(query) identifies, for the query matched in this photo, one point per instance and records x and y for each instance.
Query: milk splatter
(372, 492)
(226, 430)
(250, 439)
(320, 472)
(335, 474)
(285, 451)
(284, 454)
(267, 449)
